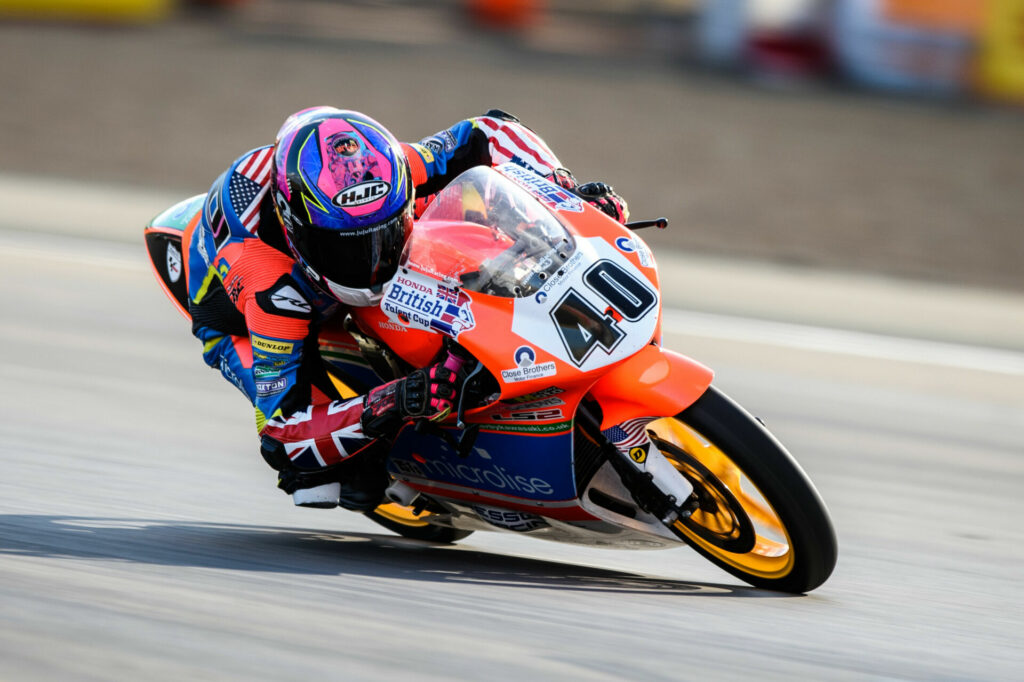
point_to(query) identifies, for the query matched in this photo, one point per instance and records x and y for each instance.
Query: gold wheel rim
(772, 555)
(399, 514)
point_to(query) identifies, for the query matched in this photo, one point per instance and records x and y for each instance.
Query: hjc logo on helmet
(362, 193)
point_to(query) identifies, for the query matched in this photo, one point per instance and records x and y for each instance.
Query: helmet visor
(357, 258)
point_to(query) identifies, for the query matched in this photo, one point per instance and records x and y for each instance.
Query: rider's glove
(600, 195)
(564, 178)
(427, 393)
(503, 115)
(603, 197)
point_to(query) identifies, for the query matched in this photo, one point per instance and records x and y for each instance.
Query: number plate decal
(599, 311)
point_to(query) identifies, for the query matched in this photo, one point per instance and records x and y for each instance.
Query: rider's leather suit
(258, 314)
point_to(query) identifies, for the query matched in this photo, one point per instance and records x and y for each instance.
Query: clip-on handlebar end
(660, 223)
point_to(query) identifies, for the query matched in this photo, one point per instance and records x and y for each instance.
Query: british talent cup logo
(421, 302)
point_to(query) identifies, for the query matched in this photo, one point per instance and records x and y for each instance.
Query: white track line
(123, 256)
(75, 250)
(843, 342)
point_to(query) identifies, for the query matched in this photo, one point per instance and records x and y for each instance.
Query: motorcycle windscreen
(491, 235)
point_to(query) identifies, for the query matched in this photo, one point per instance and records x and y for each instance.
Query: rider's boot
(362, 487)
(356, 484)
(358, 487)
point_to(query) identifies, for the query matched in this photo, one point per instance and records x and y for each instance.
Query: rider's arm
(490, 140)
(260, 292)
(487, 140)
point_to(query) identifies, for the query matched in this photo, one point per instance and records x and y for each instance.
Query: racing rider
(294, 232)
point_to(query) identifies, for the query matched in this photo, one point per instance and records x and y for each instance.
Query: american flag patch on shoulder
(248, 184)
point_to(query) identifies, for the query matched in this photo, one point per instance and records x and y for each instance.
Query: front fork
(657, 487)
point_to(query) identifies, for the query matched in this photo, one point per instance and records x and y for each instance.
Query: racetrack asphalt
(141, 535)
(849, 267)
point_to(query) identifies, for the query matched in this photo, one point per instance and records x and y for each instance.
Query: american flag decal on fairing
(629, 433)
(248, 185)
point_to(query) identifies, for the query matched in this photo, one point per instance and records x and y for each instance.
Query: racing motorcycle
(553, 310)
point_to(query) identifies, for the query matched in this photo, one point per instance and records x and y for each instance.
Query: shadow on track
(317, 552)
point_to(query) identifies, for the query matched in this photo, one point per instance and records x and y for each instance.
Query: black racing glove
(503, 115)
(603, 197)
(427, 393)
(600, 195)
(564, 178)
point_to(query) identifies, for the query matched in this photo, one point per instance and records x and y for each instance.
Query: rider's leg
(232, 355)
(357, 484)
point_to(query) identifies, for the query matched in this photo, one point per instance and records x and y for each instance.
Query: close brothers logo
(526, 367)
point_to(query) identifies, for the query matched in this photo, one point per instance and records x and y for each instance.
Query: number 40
(582, 327)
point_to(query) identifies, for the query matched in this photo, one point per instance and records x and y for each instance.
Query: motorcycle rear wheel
(402, 520)
(794, 548)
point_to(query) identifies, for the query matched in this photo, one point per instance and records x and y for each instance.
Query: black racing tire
(401, 520)
(796, 547)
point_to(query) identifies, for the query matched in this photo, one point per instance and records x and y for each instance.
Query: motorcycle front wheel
(768, 527)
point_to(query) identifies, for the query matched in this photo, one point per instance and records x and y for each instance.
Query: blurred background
(843, 182)
(880, 136)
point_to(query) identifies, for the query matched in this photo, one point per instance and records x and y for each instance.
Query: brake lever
(660, 223)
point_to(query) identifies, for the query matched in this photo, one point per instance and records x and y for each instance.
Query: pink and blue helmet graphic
(352, 171)
(349, 161)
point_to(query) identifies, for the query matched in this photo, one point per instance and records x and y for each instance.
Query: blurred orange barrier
(909, 46)
(948, 15)
(1001, 58)
(509, 14)
(103, 10)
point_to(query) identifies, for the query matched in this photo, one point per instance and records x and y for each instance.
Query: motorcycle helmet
(343, 192)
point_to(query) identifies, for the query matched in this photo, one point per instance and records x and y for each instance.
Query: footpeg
(401, 493)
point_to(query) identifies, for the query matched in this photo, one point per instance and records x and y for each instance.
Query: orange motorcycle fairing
(653, 382)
